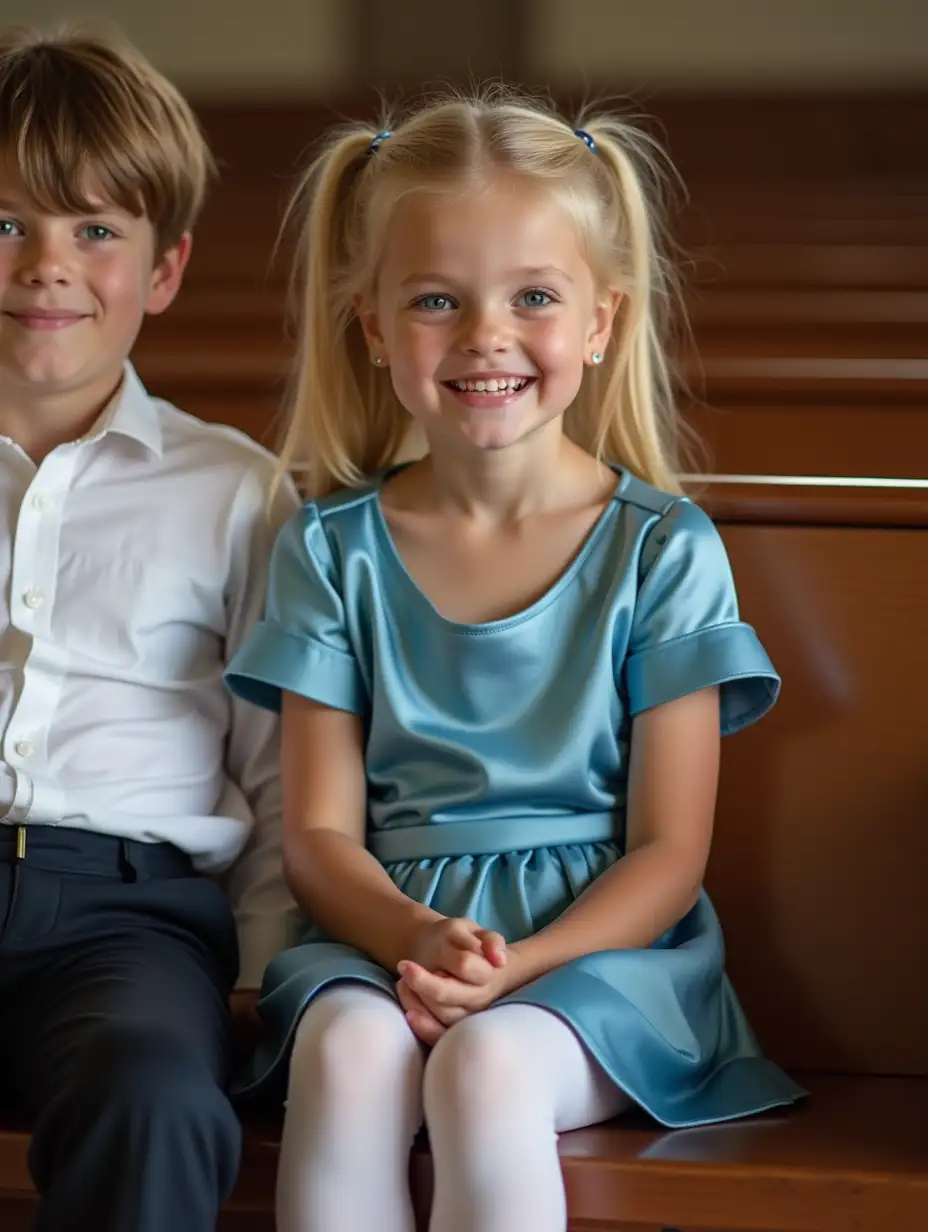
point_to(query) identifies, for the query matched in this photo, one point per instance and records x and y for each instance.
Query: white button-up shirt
(133, 563)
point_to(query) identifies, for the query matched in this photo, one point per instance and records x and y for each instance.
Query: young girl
(504, 669)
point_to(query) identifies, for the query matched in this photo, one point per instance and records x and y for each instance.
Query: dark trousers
(116, 961)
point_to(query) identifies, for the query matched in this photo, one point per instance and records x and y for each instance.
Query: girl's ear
(600, 334)
(367, 316)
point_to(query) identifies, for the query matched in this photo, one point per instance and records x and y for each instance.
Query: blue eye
(535, 298)
(8, 228)
(435, 303)
(96, 231)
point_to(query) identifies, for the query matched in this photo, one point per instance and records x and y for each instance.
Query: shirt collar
(131, 412)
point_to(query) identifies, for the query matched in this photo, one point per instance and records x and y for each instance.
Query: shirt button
(42, 503)
(33, 599)
(23, 748)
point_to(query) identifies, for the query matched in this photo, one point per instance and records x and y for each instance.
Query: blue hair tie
(585, 137)
(378, 141)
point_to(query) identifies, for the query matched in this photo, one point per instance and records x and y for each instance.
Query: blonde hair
(85, 111)
(345, 420)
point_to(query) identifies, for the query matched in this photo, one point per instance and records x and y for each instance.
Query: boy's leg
(117, 1036)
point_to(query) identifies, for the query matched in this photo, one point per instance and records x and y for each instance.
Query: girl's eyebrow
(543, 271)
(528, 272)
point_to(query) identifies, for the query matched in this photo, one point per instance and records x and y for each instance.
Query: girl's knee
(477, 1064)
(350, 1041)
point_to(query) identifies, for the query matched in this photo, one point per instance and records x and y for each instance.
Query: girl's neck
(506, 485)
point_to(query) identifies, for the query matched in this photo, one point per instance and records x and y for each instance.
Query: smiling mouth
(46, 320)
(493, 386)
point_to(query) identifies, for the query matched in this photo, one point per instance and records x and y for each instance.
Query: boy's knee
(137, 1096)
(141, 1103)
(146, 1071)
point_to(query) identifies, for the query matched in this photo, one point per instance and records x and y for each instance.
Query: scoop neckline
(554, 591)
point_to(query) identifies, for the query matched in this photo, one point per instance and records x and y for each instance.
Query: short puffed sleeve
(302, 643)
(686, 631)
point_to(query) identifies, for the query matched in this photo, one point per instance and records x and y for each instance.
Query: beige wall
(304, 47)
(221, 46)
(732, 42)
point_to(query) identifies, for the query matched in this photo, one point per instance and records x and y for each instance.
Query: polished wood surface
(818, 867)
(734, 503)
(852, 1160)
(854, 1157)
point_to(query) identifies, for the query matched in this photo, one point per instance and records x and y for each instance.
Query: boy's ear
(168, 274)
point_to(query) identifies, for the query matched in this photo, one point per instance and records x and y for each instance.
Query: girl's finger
(493, 945)
(421, 1021)
(464, 934)
(471, 968)
(447, 1015)
(426, 1028)
(438, 990)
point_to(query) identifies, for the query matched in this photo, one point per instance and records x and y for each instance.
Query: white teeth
(500, 385)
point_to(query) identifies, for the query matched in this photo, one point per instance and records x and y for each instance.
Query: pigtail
(633, 400)
(334, 435)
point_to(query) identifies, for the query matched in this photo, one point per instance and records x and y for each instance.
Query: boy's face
(74, 291)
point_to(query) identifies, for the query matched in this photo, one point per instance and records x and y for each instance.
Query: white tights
(495, 1092)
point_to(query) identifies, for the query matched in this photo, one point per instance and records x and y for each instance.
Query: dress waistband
(435, 840)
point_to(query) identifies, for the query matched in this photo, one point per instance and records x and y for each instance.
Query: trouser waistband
(63, 849)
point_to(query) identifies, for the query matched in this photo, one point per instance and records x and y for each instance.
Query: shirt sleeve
(302, 644)
(686, 632)
(266, 915)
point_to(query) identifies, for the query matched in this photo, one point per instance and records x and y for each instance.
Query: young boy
(134, 548)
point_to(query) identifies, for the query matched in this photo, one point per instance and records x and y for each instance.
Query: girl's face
(485, 311)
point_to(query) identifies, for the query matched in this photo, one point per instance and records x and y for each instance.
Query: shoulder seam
(635, 492)
(343, 499)
(259, 454)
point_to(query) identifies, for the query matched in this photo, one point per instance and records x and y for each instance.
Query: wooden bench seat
(854, 1157)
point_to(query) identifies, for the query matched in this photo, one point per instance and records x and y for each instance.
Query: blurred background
(800, 127)
(317, 49)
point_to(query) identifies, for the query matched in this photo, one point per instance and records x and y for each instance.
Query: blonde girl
(504, 668)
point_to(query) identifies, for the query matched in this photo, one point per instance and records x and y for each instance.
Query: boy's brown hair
(82, 111)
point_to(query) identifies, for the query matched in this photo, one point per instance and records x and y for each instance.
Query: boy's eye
(8, 228)
(96, 231)
(535, 298)
(435, 303)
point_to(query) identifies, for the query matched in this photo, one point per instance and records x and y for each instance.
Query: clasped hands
(456, 968)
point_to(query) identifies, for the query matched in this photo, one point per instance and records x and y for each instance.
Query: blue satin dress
(497, 762)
